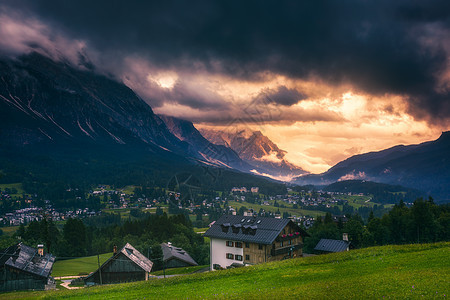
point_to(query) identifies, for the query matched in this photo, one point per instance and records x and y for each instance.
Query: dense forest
(423, 222)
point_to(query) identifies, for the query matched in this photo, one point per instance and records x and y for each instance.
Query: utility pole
(164, 268)
(99, 269)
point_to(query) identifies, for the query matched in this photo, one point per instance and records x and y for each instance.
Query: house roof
(137, 257)
(134, 255)
(328, 245)
(27, 259)
(259, 230)
(171, 252)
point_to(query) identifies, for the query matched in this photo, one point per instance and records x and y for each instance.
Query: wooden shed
(25, 268)
(125, 266)
(175, 257)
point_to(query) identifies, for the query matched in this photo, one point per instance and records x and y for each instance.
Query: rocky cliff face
(257, 150)
(202, 148)
(42, 100)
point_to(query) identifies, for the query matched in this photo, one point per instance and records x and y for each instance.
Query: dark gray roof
(328, 245)
(27, 259)
(171, 252)
(259, 230)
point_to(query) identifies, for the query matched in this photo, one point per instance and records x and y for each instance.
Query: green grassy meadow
(17, 186)
(78, 266)
(293, 211)
(185, 270)
(399, 272)
(10, 230)
(359, 201)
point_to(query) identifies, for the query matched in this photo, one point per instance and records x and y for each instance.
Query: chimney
(115, 249)
(40, 250)
(345, 237)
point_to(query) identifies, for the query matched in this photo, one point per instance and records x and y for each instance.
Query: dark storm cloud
(282, 95)
(377, 46)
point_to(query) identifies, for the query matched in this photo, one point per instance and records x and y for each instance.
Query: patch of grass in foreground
(185, 270)
(401, 272)
(78, 266)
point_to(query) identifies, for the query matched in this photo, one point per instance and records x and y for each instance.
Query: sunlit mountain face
(322, 81)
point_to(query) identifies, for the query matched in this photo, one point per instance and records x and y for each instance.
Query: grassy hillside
(410, 271)
(78, 266)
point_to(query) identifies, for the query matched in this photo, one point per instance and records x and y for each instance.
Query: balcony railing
(284, 250)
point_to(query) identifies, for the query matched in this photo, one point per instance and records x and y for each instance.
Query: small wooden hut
(25, 268)
(175, 257)
(124, 266)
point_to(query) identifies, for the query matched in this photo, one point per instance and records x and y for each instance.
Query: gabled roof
(171, 252)
(137, 257)
(131, 253)
(27, 259)
(259, 230)
(328, 245)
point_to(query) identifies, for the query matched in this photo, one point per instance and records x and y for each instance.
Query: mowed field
(399, 272)
(78, 266)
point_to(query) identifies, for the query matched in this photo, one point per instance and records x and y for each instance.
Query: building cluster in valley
(29, 214)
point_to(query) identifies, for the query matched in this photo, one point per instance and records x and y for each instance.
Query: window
(260, 246)
(216, 267)
(230, 244)
(247, 245)
(281, 244)
(290, 242)
(238, 244)
(238, 257)
(247, 257)
(230, 256)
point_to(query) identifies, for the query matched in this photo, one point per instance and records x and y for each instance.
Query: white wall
(219, 250)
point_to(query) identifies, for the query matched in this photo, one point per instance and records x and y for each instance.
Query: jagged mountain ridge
(43, 100)
(424, 166)
(256, 149)
(200, 146)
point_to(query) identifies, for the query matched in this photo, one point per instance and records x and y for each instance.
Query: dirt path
(66, 285)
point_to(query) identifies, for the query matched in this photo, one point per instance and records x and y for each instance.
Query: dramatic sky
(323, 79)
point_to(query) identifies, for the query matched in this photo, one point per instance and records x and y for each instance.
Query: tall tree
(74, 233)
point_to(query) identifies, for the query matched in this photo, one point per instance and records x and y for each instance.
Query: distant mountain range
(53, 109)
(61, 122)
(257, 150)
(425, 167)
